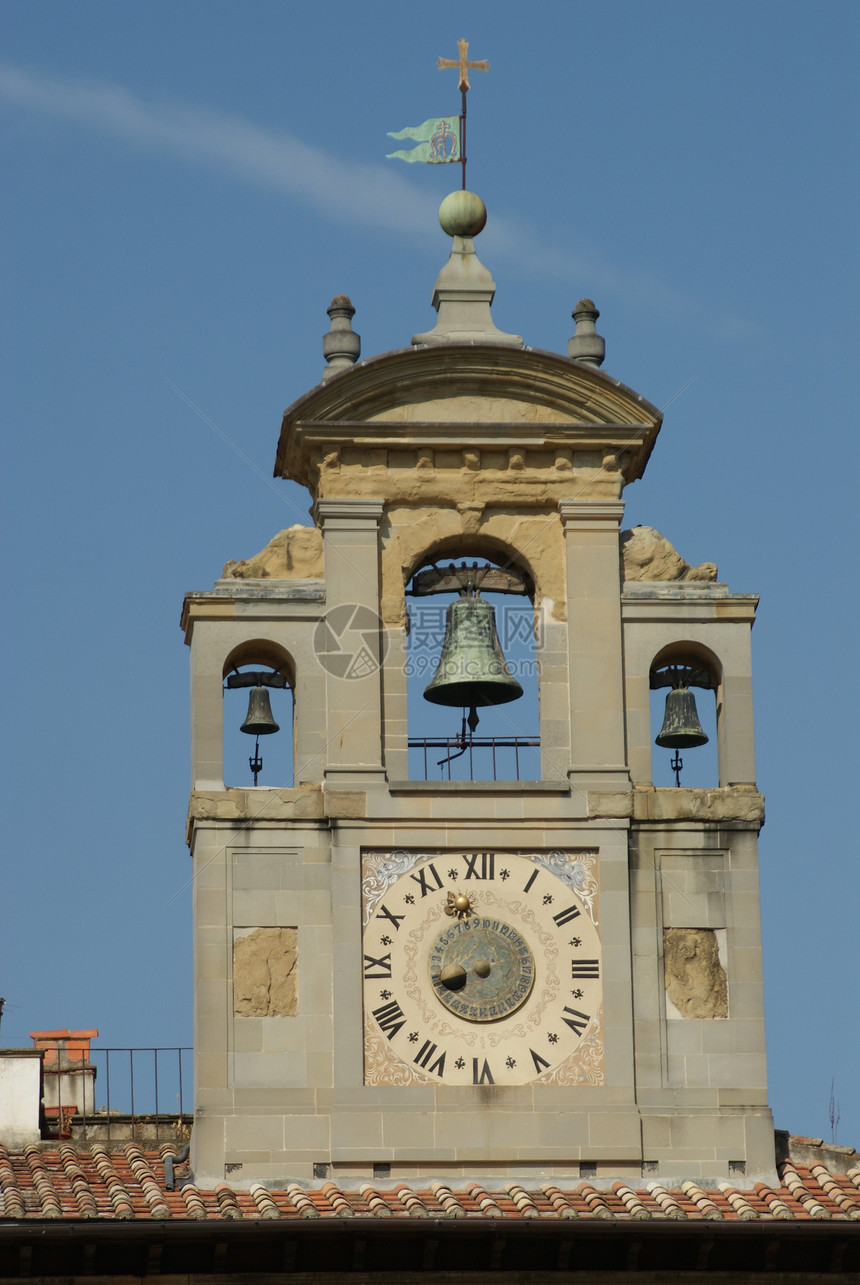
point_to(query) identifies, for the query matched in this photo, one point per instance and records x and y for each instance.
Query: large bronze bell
(259, 720)
(472, 668)
(681, 728)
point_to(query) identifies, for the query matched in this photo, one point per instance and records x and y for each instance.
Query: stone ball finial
(341, 346)
(462, 214)
(586, 346)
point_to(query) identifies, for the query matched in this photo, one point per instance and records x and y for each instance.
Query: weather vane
(442, 139)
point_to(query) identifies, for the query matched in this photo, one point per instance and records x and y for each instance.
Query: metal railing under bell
(497, 753)
(121, 1091)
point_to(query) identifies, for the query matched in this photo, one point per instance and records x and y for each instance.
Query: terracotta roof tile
(194, 1206)
(775, 1204)
(301, 1201)
(337, 1200)
(596, 1204)
(49, 1202)
(667, 1202)
(451, 1207)
(560, 1203)
(842, 1195)
(145, 1178)
(411, 1202)
(485, 1202)
(740, 1203)
(84, 1202)
(525, 1205)
(264, 1202)
(632, 1203)
(801, 1191)
(228, 1201)
(702, 1201)
(10, 1196)
(118, 1196)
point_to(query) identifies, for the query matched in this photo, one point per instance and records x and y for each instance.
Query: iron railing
(496, 754)
(125, 1090)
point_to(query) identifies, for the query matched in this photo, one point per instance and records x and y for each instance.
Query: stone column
(353, 680)
(594, 643)
(208, 649)
(735, 724)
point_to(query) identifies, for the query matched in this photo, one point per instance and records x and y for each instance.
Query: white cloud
(343, 191)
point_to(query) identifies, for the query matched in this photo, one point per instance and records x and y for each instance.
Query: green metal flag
(438, 139)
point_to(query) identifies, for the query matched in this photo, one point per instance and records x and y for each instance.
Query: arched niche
(259, 655)
(505, 745)
(701, 670)
(479, 546)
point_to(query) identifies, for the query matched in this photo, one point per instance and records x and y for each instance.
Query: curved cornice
(575, 394)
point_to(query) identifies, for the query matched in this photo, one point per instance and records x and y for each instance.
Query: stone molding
(591, 515)
(349, 514)
(497, 388)
(740, 803)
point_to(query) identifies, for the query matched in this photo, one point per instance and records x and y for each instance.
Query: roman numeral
(425, 1053)
(585, 968)
(532, 877)
(390, 1018)
(396, 920)
(421, 878)
(488, 865)
(384, 966)
(540, 1063)
(482, 1076)
(564, 916)
(577, 1021)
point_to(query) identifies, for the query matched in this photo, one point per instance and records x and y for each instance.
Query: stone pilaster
(594, 643)
(353, 682)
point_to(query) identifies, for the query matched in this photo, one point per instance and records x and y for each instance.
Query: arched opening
(685, 667)
(472, 670)
(259, 684)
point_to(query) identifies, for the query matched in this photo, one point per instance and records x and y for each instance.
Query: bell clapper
(255, 762)
(462, 741)
(676, 763)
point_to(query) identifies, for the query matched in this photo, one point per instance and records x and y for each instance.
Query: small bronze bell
(681, 728)
(472, 669)
(259, 720)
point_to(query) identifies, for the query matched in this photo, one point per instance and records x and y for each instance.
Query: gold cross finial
(463, 63)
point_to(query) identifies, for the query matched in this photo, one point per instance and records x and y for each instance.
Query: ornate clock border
(481, 968)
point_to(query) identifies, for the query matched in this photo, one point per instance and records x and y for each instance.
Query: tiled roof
(64, 1181)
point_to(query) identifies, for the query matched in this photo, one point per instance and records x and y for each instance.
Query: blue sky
(187, 185)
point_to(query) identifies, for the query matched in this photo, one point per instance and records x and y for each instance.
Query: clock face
(481, 968)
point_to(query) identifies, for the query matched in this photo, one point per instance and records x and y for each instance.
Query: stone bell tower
(399, 977)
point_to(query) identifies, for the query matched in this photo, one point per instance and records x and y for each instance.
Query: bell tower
(536, 974)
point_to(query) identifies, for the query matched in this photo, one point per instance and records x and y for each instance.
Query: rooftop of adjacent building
(140, 1178)
(97, 1210)
(72, 1162)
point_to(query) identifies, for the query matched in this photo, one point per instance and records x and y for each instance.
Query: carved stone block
(695, 979)
(264, 973)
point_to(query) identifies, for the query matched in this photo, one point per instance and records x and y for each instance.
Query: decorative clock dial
(481, 968)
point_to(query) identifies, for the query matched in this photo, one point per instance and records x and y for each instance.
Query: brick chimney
(67, 1073)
